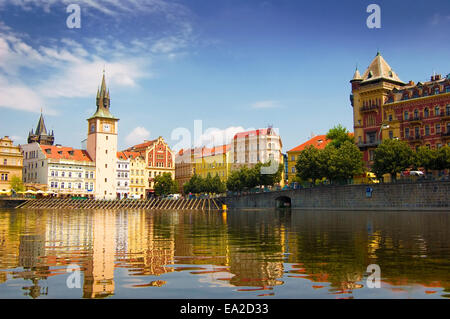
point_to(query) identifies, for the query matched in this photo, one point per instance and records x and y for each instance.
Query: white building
(123, 176)
(66, 171)
(251, 147)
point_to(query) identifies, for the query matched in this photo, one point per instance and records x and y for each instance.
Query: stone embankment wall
(427, 195)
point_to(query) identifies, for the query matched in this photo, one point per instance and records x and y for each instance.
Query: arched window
(437, 111)
(426, 112)
(416, 114)
(406, 115)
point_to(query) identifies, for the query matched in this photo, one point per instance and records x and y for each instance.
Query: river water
(238, 254)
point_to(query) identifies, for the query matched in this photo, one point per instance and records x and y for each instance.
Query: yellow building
(318, 141)
(215, 161)
(11, 163)
(138, 180)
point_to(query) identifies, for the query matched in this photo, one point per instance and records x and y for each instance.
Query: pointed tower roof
(357, 75)
(41, 129)
(103, 101)
(380, 69)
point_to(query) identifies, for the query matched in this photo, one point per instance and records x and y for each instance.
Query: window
(118, 174)
(86, 175)
(438, 128)
(437, 90)
(447, 110)
(438, 145)
(91, 186)
(92, 175)
(69, 185)
(86, 186)
(70, 175)
(62, 184)
(427, 130)
(391, 134)
(106, 165)
(416, 114)
(416, 132)
(426, 112)
(63, 173)
(371, 155)
(293, 170)
(5, 162)
(106, 137)
(447, 89)
(52, 173)
(406, 115)
(79, 185)
(437, 111)
(390, 117)
(106, 180)
(118, 183)
(407, 132)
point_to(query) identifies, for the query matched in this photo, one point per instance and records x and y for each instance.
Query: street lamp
(383, 127)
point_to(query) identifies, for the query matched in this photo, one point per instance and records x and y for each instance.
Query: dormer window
(391, 74)
(437, 90)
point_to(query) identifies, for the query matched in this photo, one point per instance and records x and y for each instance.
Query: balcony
(414, 138)
(364, 145)
(370, 108)
(415, 120)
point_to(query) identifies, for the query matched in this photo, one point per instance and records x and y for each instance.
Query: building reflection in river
(249, 251)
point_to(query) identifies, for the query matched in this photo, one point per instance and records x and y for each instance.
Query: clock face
(106, 127)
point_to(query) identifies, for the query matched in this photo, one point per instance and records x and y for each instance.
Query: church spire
(103, 100)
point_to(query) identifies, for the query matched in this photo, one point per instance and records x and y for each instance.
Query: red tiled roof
(141, 146)
(263, 131)
(63, 152)
(131, 155)
(319, 141)
(205, 151)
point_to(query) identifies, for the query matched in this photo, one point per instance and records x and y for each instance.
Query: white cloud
(18, 96)
(216, 137)
(137, 136)
(265, 104)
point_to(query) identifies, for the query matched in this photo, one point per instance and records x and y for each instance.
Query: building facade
(159, 159)
(123, 175)
(138, 180)
(251, 147)
(11, 163)
(213, 161)
(184, 167)
(65, 171)
(102, 145)
(385, 107)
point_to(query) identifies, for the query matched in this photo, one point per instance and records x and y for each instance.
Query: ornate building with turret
(40, 135)
(385, 107)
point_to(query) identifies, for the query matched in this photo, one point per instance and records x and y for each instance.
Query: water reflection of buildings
(99, 268)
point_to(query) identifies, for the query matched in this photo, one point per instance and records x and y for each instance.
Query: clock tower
(102, 145)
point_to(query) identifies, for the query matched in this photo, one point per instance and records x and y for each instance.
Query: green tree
(165, 185)
(308, 165)
(392, 157)
(443, 158)
(218, 186)
(338, 135)
(234, 182)
(16, 184)
(195, 185)
(425, 157)
(345, 162)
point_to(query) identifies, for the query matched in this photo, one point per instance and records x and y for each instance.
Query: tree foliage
(165, 185)
(209, 184)
(16, 184)
(338, 136)
(262, 174)
(392, 157)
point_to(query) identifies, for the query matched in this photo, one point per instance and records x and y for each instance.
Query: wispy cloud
(438, 19)
(138, 135)
(269, 104)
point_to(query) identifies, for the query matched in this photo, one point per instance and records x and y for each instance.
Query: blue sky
(233, 64)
